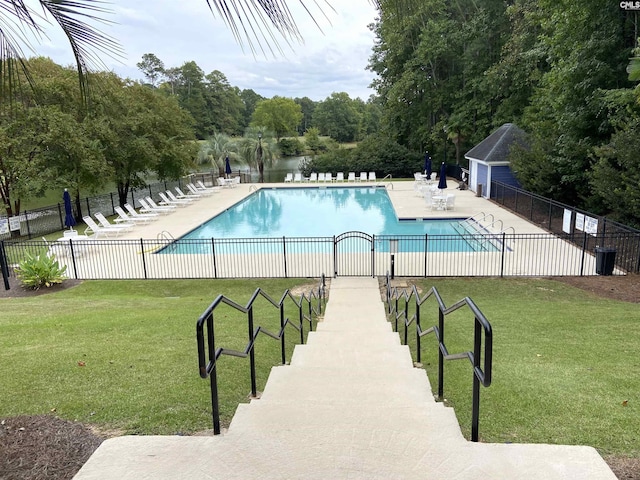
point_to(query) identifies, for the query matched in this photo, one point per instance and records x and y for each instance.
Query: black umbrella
(442, 184)
(227, 167)
(69, 219)
(427, 165)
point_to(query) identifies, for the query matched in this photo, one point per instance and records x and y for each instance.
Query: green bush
(40, 271)
(290, 147)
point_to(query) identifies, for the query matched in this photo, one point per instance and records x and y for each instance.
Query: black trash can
(605, 260)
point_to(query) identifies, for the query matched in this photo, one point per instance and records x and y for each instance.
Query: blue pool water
(318, 214)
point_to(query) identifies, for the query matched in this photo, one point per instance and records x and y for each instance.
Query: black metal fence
(349, 254)
(582, 228)
(42, 221)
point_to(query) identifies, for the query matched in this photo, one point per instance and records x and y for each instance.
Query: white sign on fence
(591, 225)
(566, 221)
(580, 221)
(4, 226)
(14, 223)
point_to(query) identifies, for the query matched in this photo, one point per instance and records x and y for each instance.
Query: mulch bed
(46, 447)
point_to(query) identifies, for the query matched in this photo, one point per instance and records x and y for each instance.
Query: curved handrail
(208, 353)
(482, 373)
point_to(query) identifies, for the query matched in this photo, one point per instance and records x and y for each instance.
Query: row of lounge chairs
(327, 177)
(128, 217)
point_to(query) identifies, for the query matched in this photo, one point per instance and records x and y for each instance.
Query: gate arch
(353, 254)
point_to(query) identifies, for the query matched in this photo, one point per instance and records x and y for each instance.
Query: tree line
(451, 72)
(219, 107)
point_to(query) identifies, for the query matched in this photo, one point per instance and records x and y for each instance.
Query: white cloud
(331, 60)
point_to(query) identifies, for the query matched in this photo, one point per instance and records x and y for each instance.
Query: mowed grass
(566, 363)
(123, 354)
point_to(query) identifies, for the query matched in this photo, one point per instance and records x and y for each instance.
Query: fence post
(26, 219)
(284, 253)
(584, 252)
(144, 261)
(213, 254)
(426, 249)
(504, 242)
(3, 266)
(373, 255)
(62, 225)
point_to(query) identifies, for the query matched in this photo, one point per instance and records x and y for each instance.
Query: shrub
(41, 271)
(290, 147)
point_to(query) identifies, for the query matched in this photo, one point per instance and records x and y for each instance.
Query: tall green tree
(278, 114)
(141, 132)
(152, 68)
(338, 116)
(224, 105)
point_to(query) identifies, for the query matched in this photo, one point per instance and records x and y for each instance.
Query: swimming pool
(320, 213)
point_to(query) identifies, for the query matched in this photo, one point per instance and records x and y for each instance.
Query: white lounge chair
(352, 177)
(154, 207)
(363, 177)
(172, 196)
(372, 176)
(180, 194)
(196, 191)
(93, 229)
(123, 217)
(133, 213)
(103, 222)
(288, 178)
(297, 178)
(313, 177)
(340, 177)
(201, 186)
(321, 177)
(171, 201)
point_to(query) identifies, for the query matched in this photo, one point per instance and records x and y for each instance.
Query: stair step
(365, 386)
(436, 423)
(314, 356)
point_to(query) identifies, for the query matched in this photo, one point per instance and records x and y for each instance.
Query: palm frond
(75, 17)
(254, 22)
(87, 43)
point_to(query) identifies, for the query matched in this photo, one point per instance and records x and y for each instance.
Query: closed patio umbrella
(442, 183)
(69, 219)
(227, 167)
(427, 165)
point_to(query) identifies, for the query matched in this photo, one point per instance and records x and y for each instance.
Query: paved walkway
(349, 406)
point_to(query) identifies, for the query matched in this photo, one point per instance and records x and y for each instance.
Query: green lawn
(122, 354)
(566, 363)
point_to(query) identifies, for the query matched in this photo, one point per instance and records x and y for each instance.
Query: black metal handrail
(481, 372)
(208, 355)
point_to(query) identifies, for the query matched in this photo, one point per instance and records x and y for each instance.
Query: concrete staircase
(349, 406)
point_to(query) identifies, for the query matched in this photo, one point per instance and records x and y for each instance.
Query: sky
(333, 57)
